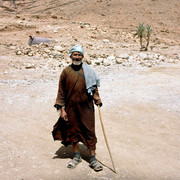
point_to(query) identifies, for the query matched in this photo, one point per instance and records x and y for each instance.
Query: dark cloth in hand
(58, 107)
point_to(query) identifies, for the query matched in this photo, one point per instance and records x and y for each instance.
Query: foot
(96, 165)
(74, 162)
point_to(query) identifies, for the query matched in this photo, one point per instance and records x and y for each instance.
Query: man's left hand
(98, 102)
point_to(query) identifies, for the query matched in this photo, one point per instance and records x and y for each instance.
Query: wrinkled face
(76, 58)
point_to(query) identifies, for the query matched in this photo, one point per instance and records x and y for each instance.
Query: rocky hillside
(162, 15)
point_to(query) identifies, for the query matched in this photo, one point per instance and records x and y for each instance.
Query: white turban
(77, 48)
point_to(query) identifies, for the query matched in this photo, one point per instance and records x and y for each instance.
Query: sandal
(74, 162)
(96, 165)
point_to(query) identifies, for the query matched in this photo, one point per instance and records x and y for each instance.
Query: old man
(77, 93)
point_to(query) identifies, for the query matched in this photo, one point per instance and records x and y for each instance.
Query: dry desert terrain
(140, 90)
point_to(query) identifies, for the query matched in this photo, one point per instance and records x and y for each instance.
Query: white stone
(155, 56)
(46, 50)
(59, 48)
(119, 61)
(56, 52)
(96, 62)
(143, 55)
(131, 59)
(100, 59)
(30, 66)
(13, 47)
(45, 55)
(111, 58)
(124, 56)
(150, 56)
(161, 58)
(126, 64)
(18, 52)
(30, 54)
(106, 41)
(106, 62)
(98, 48)
(57, 29)
(148, 64)
(170, 61)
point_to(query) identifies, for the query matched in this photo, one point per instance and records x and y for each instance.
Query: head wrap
(77, 48)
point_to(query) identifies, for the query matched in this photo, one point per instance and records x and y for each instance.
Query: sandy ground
(141, 118)
(140, 108)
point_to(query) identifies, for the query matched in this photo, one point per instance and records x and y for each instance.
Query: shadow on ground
(67, 152)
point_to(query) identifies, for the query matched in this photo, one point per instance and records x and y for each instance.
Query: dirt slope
(162, 15)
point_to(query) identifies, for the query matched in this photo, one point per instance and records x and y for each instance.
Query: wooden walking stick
(106, 138)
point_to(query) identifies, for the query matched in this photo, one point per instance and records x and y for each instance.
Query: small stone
(161, 58)
(148, 64)
(131, 59)
(13, 47)
(124, 56)
(111, 58)
(106, 62)
(100, 59)
(27, 51)
(126, 64)
(18, 16)
(30, 54)
(170, 61)
(30, 66)
(45, 55)
(155, 56)
(18, 52)
(106, 41)
(96, 62)
(57, 29)
(88, 61)
(54, 16)
(59, 48)
(119, 61)
(150, 56)
(143, 56)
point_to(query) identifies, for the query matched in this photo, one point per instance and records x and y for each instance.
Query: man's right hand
(64, 114)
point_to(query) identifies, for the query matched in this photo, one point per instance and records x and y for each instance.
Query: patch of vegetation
(143, 32)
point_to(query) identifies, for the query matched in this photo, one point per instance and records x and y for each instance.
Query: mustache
(77, 59)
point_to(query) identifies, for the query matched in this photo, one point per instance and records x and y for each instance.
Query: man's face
(76, 58)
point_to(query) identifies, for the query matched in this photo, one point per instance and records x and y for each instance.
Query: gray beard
(76, 63)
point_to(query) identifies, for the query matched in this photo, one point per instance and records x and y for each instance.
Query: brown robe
(79, 107)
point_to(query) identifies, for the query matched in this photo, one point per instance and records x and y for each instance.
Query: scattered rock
(124, 56)
(30, 54)
(96, 62)
(18, 52)
(119, 61)
(59, 48)
(57, 30)
(143, 55)
(54, 16)
(107, 62)
(30, 66)
(106, 41)
(56, 52)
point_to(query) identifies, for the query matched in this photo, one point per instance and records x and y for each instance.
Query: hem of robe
(59, 133)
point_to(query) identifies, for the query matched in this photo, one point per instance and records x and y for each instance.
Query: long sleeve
(96, 96)
(60, 100)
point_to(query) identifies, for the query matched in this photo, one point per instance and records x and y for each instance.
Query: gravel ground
(140, 115)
